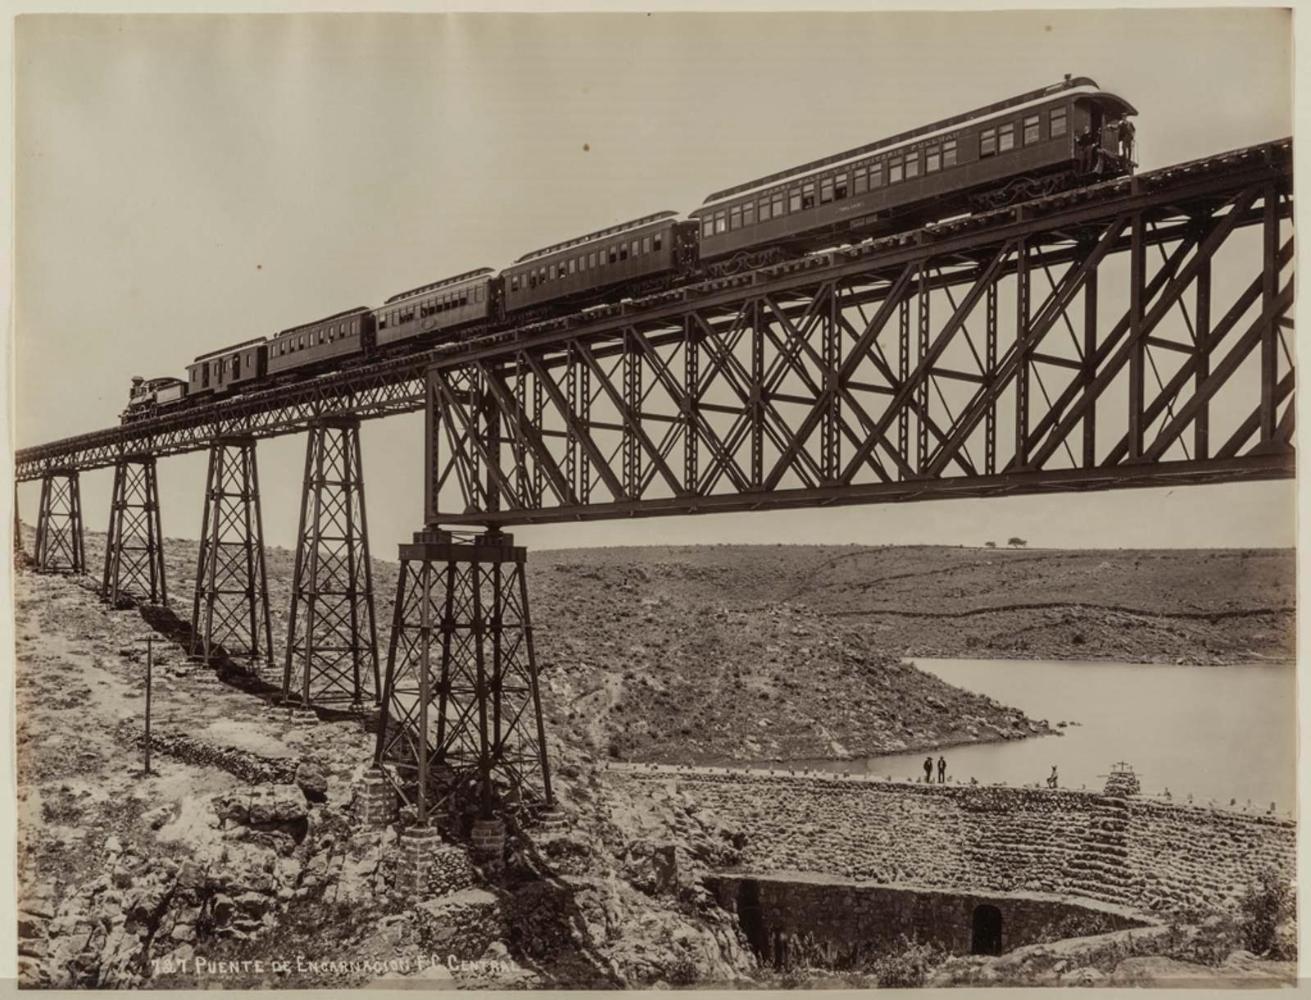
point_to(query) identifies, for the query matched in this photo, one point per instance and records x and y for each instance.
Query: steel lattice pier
(134, 544)
(461, 707)
(230, 611)
(59, 545)
(332, 638)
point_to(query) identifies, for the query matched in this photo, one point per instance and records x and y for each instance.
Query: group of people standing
(1052, 780)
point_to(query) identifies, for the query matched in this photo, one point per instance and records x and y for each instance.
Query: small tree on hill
(1016, 542)
(991, 545)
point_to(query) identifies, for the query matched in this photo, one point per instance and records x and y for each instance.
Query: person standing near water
(928, 770)
(1051, 778)
(942, 770)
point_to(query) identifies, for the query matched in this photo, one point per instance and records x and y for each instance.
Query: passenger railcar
(444, 305)
(1070, 133)
(1021, 147)
(310, 345)
(633, 252)
(228, 368)
(148, 397)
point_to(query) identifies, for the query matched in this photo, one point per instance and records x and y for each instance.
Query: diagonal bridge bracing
(1144, 345)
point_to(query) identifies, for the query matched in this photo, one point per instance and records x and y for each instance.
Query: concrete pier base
(414, 866)
(488, 841)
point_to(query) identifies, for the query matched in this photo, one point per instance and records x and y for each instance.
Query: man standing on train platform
(942, 770)
(928, 770)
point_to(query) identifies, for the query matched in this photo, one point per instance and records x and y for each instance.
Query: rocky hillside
(697, 655)
(241, 846)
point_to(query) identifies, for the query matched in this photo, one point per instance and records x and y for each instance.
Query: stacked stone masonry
(1146, 855)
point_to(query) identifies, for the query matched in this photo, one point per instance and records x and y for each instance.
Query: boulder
(312, 779)
(277, 804)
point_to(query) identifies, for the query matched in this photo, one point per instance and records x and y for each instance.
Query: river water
(1216, 733)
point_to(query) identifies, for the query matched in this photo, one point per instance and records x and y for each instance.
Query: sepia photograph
(654, 500)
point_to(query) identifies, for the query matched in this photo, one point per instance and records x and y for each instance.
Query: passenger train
(1068, 134)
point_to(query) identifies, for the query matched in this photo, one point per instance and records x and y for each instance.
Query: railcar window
(646, 244)
(875, 175)
(764, 209)
(749, 214)
(550, 271)
(894, 171)
(302, 340)
(949, 153)
(1056, 124)
(632, 248)
(988, 142)
(1031, 130)
(735, 217)
(840, 186)
(591, 259)
(808, 195)
(778, 203)
(721, 222)
(708, 226)
(573, 266)
(623, 251)
(480, 293)
(912, 165)
(514, 282)
(1006, 137)
(826, 190)
(794, 200)
(657, 241)
(860, 179)
(932, 160)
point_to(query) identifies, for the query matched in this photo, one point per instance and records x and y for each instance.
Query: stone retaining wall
(1130, 852)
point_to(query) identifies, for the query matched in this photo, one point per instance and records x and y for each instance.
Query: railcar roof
(254, 341)
(326, 319)
(444, 283)
(623, 227)
(1071, 83)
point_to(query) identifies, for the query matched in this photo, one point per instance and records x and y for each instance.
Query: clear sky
(188, 182)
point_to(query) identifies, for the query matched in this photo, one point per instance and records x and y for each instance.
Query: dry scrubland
(649, 654)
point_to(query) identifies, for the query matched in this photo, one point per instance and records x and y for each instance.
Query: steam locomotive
(1068, 134)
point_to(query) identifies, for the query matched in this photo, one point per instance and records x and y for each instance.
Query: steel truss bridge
(1133, 333)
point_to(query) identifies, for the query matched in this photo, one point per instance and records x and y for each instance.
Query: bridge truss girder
(1137, 347)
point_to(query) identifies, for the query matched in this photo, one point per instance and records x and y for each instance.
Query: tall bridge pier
(461, 712)
(134, 544)
(59, 542)
(230, 611)
(332, 637)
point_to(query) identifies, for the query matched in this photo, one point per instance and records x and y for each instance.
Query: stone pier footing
(418, 847)
(488, 841)
(375, 799)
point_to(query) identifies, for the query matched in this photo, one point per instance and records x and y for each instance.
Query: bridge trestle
(59, 539)
(461, 717)
(332, 637)
(230, 611)
(134, 544)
